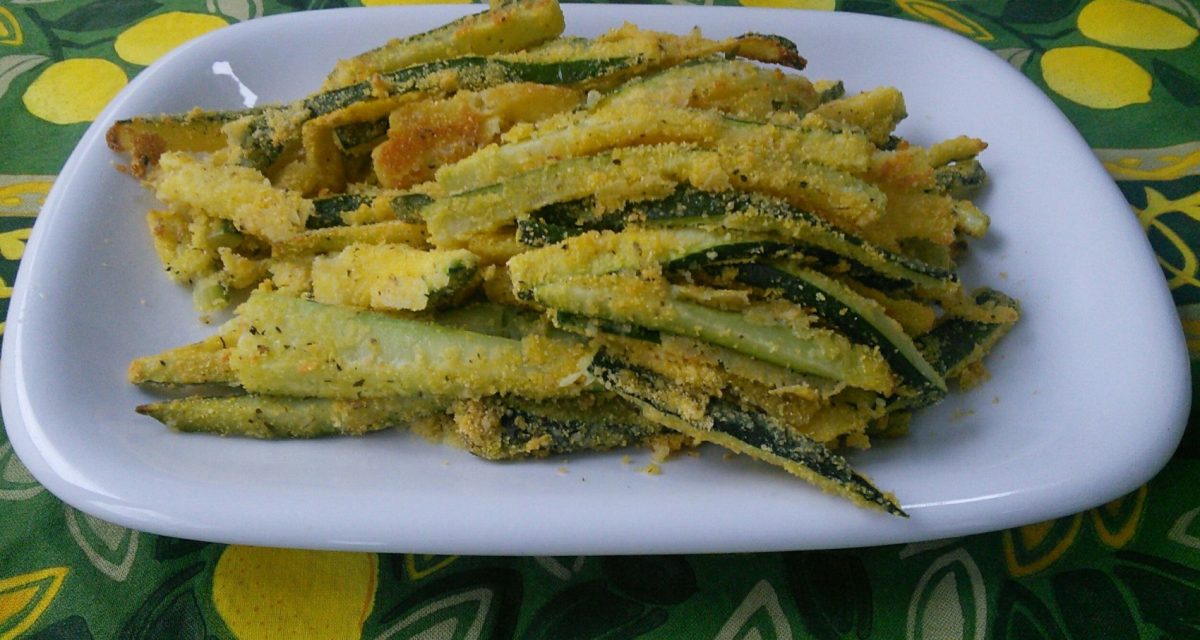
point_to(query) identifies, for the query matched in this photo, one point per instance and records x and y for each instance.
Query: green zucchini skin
(587, 326)
(735, 251)
(960, 177)
(958, 342)
(270, 417)
(328, 210)
(356, 136)
(690, 205)
(463, 279)
(829, 90)
(757, 430)
(192, 118)
(845, 310)
(473, 72)
(519, 429)
(556, 222)
(745, 431)
(407, 206)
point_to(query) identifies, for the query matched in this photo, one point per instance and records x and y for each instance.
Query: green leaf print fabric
(1125, 72)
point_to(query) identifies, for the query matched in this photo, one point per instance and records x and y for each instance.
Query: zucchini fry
(852, 314)
(610, 128)
(330, 239)
(508, 429)
(302, 348)
(635, 173)
(425, 135)
(199, 363)
(796, 346)
(958, 342)
(146, 138)
(747, 215)
(394, 276)
(270, 417)
(509, 26)
(752, 433)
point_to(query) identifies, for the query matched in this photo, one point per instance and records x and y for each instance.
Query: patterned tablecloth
(1126, 72)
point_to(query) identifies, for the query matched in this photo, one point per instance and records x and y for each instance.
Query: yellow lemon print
(943, 15)
(292, 593)
(1031, 548)
(149, 39)
(1095, 77)
(23, 198)
(10, 29)
(1125, 23)
(25, 597)
(1165, 163)
(12, 243)
(1116, 522)
(384, 3)
(421, 566)
(74, 90)
(820, 5)
(1184, 269)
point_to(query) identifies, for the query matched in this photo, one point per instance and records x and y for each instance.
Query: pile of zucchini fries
(534, 244)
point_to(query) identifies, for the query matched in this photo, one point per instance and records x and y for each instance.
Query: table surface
(1126, 73)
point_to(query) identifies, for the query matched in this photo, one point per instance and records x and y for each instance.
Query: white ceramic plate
(1087, 400)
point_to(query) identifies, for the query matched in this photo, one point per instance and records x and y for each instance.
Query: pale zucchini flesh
(296, 347)
(394, 277)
